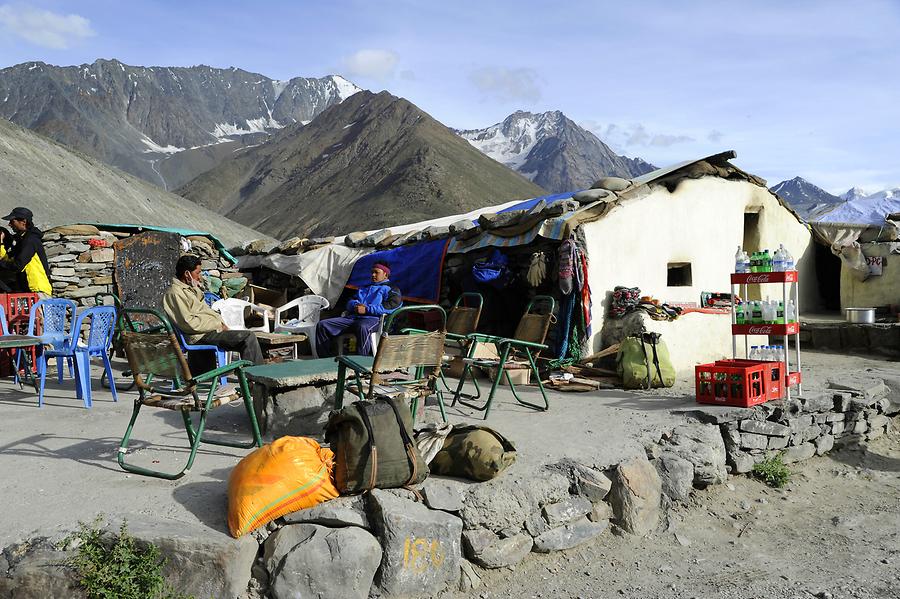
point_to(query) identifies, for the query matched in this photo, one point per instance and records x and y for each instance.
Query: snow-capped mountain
(804, 197)
(132, 117)
(854, 193)
(553, 151)
(868, 210)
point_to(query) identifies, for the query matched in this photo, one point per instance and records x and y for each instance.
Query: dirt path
(833, 532)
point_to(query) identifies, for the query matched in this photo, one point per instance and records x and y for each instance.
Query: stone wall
(82, 259)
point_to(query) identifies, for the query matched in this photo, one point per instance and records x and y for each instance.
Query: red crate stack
(17, 307)
(740, 383)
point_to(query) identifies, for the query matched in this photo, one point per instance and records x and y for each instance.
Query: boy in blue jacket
(363, 313)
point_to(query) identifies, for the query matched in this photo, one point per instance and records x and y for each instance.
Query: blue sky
(796, 88)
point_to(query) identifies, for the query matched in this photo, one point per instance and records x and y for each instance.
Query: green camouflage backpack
(474, 452)
(643, 362)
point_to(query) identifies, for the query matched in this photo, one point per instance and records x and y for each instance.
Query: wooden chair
(420, 354)
(526, 344)
(158, 354)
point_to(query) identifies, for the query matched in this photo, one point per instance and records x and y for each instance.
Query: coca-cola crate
(740, 383)
(17, 307)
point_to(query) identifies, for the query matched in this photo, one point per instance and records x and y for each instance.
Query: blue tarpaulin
(529, 204)
(415, 269)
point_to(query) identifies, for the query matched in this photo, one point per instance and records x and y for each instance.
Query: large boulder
(508, 501)
(36, 569)
(488, 550)
(311, 561)
(635, 496)
(340, 511)
(421, 547)
(200, 560)
(701, 445)
(676, 475)
(569, 535)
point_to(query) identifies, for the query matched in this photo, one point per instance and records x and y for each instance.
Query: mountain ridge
(373, 161)
(131, 116)
(552, 151)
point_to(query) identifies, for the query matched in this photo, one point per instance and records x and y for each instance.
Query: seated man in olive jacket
(201, 324)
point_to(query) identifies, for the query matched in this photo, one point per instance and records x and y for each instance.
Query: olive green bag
(643, 362)
(474, 452)
(373, 446)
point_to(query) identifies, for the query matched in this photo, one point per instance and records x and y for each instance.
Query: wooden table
(270, 341)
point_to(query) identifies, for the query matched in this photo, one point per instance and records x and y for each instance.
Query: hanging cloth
(585, 296)
(566, 266)
(537, 269)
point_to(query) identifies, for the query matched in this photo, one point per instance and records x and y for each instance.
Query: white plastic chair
(232, 311)
(308, 309)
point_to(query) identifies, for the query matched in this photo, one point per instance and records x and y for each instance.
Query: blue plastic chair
(221, 354)
(102, 322)
(57, 313)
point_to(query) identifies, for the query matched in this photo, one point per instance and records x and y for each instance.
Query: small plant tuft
(772, 471)
(113, 566)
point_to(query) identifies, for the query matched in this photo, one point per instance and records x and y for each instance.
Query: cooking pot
(860, 315)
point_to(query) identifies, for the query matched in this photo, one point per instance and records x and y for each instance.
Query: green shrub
(115, 567)
(772, 471)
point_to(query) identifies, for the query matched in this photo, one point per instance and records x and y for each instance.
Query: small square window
(678, 274)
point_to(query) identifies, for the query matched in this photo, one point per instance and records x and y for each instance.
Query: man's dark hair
(186, 263)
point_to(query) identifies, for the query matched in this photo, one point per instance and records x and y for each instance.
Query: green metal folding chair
(419, 354)
(526, 344)
(157, 354)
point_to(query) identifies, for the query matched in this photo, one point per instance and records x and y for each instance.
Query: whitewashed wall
(702, 222)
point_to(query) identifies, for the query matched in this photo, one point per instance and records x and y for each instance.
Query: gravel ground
(833, 532)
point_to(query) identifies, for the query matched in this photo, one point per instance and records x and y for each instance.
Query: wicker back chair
(526, 345)
(164, 380)
(418, 353)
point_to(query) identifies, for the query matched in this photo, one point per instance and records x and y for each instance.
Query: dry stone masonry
(395, 543)
(82, 260)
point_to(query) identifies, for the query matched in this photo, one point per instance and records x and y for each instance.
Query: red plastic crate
(740, 383)
(17, 307)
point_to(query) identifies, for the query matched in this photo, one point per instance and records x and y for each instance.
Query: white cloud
(372, 63)
(714, 136)
(507, 85)
(45, 28)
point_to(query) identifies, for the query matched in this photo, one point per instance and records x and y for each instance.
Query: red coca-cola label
(759, 330)
(758, 278)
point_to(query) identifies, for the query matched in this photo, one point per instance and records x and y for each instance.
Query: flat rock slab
(340, 511)
(508, 501)
(568, 536)
(490, 551)
(36, 569)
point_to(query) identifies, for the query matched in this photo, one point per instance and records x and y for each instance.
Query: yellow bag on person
(284, 476)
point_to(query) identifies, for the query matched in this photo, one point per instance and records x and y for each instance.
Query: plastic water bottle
(778, 260)
(767, 261)
(790, 312)
(755, 313)
(788, 258)
(754, 353)
(739, 260)
(779, 316)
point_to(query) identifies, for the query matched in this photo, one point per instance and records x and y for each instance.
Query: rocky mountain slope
(804, 197)
(132, 117)
(372, 161)
(64, 187)
(551, 150)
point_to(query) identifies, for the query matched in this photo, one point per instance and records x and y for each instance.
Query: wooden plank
(612, 349)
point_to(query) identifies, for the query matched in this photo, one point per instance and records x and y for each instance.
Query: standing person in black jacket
(27, 257)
